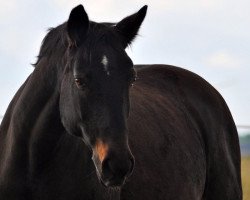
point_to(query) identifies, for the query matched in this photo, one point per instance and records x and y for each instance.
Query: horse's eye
(80, 83)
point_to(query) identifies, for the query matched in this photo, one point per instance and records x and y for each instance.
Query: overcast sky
(209, 37)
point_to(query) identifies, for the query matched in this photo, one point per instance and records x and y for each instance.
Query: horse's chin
(110, 183)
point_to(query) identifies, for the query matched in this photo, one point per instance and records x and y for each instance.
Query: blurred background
(208, 37)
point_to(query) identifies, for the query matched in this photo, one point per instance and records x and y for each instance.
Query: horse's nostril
(107, 167)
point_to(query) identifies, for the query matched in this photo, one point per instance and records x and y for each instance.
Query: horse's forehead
(104, 56)
(105, 64)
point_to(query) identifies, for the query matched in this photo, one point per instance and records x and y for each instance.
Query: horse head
(94, 96)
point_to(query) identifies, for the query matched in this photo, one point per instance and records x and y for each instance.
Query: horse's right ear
(77, 26)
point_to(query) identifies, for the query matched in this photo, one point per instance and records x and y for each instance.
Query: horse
(89, 124)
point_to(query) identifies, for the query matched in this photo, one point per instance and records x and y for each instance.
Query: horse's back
(183, 137)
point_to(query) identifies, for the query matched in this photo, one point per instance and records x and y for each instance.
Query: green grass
(245, 174)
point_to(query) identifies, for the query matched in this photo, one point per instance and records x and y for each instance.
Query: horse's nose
(115, 170)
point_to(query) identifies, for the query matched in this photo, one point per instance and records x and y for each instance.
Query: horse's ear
(129, 26)
(77, 26)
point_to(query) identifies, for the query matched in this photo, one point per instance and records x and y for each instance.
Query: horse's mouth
(112, 183)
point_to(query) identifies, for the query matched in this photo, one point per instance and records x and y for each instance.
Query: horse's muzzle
(116, 171)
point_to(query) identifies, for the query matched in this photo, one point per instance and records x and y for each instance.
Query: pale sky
(208, 37)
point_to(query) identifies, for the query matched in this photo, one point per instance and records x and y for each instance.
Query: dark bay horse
(82, 128)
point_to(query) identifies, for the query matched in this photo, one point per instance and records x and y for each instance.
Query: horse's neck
(30, 128)
(35, 105)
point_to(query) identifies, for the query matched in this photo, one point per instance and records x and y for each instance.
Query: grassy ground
(245, 173)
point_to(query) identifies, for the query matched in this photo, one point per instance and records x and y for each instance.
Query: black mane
(56, 42)
(56, 39)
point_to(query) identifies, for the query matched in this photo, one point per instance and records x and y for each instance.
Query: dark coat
(180, 130)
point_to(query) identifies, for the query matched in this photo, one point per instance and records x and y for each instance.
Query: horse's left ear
(77, 25)
(129, 26)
